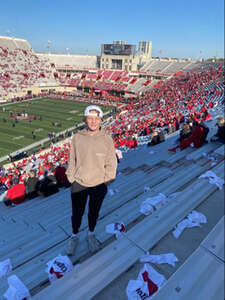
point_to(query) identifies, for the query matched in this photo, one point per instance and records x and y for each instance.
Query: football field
(50, 115)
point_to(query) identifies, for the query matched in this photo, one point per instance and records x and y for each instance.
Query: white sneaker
(72, 245)
(93, 243)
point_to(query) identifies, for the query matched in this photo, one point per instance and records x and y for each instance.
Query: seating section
(47, 233)
(21, 68)
(73, 61)
(73, 284)
(169, 67)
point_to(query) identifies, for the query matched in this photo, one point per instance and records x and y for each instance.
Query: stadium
(166, 120)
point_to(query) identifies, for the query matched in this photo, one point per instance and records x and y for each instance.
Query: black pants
(79, 196)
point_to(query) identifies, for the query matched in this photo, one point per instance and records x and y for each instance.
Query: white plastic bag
(58, 267)
(5, 267)
(17, 290)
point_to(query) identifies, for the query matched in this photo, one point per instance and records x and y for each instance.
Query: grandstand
(47, 233)
(21, 69)
(74, 61)
(24, 72)
(158, 95)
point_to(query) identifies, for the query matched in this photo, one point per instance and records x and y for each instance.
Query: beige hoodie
(92, 159)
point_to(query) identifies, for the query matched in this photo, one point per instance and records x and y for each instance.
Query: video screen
(114, 49)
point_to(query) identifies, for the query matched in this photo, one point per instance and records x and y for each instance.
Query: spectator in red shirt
(60, 174)
(15, 194)
(197, 138)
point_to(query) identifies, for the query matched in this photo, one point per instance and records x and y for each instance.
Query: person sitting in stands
(220, 135)
(154, 139)
(48, 185)
(196, 139)
(161, 136)
(16, 193)
(60, 174)
(31, 183)
(157, 138)
(185, 132)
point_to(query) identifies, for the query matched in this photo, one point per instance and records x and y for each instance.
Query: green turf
(51, 110)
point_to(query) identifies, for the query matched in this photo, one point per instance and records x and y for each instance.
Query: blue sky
(177, 28)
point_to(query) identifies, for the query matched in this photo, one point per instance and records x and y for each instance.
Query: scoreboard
(118, 49)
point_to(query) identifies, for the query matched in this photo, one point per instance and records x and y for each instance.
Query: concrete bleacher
(198, 276)
(23, 67)
(47, 233)
(73, 284)
(71, 60)
(165, 66)
(172, 66)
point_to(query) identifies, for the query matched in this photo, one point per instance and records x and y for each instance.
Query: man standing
(92, 165)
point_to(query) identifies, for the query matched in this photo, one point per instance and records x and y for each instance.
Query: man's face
(93, 122)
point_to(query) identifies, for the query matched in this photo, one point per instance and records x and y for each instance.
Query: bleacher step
(202, 274)
(200, 277)
(214, 242)
(98, 270)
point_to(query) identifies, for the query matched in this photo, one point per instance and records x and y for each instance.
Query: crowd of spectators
(39, 175)
(180, 102)
(168, 105)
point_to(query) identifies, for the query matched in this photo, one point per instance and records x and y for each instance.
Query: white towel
(194, 219)
(115, 228)
(5, 267)
(151, 203)
(58, 267)
(168, 258)
(17, 290)
(147, 284)
(213, 179)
